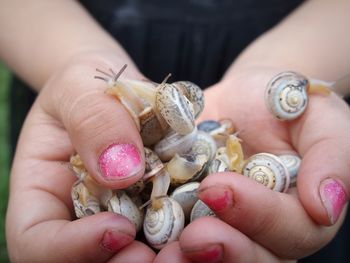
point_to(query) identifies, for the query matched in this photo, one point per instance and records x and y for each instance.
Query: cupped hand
(73, 113)
(257, 224)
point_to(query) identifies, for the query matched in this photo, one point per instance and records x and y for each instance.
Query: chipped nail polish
(334, 197)
(114, 240)
(120, 161)
(216, 197)
(210, 254)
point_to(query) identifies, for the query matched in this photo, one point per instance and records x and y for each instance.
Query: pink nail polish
(210, 254)
(112, 241)
(217, 197)
(334, 197)
(120, 161)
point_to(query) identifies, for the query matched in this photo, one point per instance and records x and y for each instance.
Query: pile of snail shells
(177, 159)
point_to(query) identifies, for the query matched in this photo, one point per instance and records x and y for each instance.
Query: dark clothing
(193, 40)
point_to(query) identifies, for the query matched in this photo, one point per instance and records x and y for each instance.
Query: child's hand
(257, 224)
(72, 113)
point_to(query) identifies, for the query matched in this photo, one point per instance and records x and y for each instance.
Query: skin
(72, 111)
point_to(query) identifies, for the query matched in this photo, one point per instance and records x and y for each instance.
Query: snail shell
(174, 143)
(204, 144)
(292, 162)
(165, 224)
(153, 165)
(193, 93)
(84, 202)
(175, 108)
(186, 167)
(200, 209)
(286, 95)
(121, 204)
(269, 170)
(186, 196)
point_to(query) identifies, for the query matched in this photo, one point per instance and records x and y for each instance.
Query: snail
(164, 224)
(200, 209)
(174, 143)
(286, 94)
(186, 196)
(269, 170)
(292, 162)
(154, 107)
(120, 203)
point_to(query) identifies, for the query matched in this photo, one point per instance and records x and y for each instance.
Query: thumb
(100, 128)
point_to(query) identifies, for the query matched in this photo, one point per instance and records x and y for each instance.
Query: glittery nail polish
(334, 197)
(120, 161)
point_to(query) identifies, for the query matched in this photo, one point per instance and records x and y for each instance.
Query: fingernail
(210, 254)
(334, 197)
(120, 161)
(216, 197)
(114, 240)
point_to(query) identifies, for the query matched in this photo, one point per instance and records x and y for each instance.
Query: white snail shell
(269, 170)
(200, 209)
(174, 143)
(286, 95)
(186, 196)
(175, 108)
(292, 162)
(165, 224)
(122, 204)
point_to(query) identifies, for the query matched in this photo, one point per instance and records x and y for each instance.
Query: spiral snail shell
(286, 95)
(269, 170)
(163, 225)
(200, 209)
(292, 162)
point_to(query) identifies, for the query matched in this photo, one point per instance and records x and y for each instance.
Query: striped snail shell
(165, 224)
(269, 170)
(292, 162)
(175, 108)
(122, 204)
(286, 95)
(193, 93)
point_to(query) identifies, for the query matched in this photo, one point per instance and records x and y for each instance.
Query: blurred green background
(4, 156)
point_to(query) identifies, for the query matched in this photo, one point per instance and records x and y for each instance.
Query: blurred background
(4, 155)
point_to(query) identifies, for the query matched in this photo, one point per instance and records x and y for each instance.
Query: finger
(263, 215)
(324, 144)
(171, 254)
(95, 238)
(100, 128)
(220, 243)
(134, 252)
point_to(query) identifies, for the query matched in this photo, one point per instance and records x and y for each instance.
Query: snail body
(163, 225)
(269, 170)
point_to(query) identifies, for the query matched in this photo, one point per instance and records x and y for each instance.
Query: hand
(257, 224)
(72, 113)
